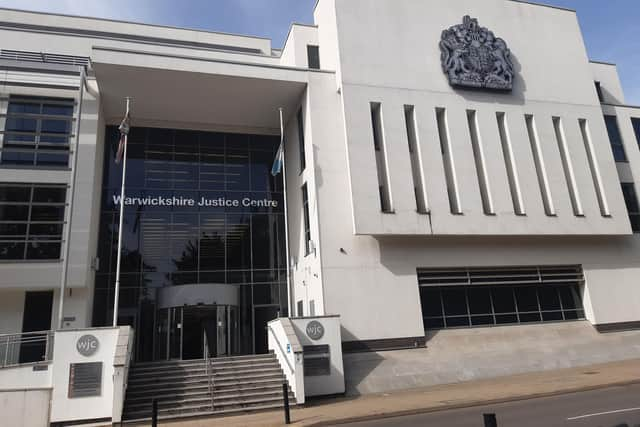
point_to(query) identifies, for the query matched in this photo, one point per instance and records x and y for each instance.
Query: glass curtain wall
(201, 208)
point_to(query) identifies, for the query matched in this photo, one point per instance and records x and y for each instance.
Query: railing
(26, 347)
(208, 363)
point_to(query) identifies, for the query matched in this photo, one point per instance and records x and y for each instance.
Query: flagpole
(70, 206)
(116, 295)
(286, 216)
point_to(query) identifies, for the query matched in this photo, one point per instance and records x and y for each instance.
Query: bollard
(490, 420)
(285, 395)
(154, 413)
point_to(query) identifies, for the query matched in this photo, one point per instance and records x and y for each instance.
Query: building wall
(389, 54)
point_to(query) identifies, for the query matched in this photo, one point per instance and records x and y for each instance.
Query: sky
(610, 27)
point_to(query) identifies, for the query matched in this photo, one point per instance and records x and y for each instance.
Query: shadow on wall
(403, 255)
(357, 373)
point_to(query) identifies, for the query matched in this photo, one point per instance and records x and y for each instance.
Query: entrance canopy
(195, 92)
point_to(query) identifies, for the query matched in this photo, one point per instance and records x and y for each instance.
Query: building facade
(448, 165)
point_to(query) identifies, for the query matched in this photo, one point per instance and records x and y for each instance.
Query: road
(608, 407)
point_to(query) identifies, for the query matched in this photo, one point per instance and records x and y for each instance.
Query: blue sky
(610, 27)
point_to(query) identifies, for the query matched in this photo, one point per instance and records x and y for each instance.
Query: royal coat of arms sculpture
(472, 56)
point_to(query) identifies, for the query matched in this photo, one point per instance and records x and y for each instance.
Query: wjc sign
(87, 345)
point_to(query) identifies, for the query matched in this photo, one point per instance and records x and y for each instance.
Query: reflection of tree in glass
(201, 254)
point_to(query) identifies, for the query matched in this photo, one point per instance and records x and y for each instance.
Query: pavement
(606, 407)
(342, 410)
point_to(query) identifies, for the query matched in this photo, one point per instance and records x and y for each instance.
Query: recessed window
(454, 298)
(303, 159)
(599, 91)
(31, 221)
(635, 122)
(448, 162)
(37, 131)
(567, 166)
(307, 224)
(615, 138)
(541, 171)
(416, 160)
(313, 57)
(510, 164)
(631, 201)
(380, 151)
(594, 168)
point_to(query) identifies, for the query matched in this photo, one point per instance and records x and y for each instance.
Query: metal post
(72, 190)
(490, 420)
(290, 299)
(154, 413)
(116, 295)
(285, 396)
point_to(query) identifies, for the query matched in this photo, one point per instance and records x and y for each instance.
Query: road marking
(603, 413)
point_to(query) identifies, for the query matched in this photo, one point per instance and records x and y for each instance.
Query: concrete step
(163, 383)
(221, 373)
(221, 387)
(138, 392)
(169, 394)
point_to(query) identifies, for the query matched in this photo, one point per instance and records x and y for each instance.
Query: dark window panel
(12, 250)
(431, 304)
(12, 231)
(457, 322)
(479, 300)
(503, 300)
(313, 57)
(301, 143)
(10, 193)
(14, 212)
(47, 213)
(526, 298)
(455, 302)
(43, 250)
(615, 138)
(49, 194)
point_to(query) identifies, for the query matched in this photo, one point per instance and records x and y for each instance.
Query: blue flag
(279, 159)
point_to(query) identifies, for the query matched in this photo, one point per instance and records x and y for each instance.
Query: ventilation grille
(19, 55)
(560, 274)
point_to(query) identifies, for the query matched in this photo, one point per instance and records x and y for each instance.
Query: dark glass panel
(549, 299)
(23, 107)
(14, 212)
(238, 242)
(506, 318)
(52, 159)
(455, 302)
(55, 126)
(529, 317)
(266, 294)
(236, 141)
(43, 250)
(526, 298)
(12, 231)
(481, 320)
(479, 300)
(433, 323)
(57, 110)
(430, 300)
(264, 242)
(47, 213)
(17, 157)
(237, 170)
(49, 194)
(456, 322)
(12, 250)
(570, 297)
(551, 316)
(54, 230)
(10, 193)
(571, 315)
(20, 124)
(503, 300)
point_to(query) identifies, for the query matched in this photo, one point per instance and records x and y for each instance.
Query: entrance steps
(188, 388)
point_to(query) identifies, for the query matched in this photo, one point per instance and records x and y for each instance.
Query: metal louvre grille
(52, 58)
(470, 276)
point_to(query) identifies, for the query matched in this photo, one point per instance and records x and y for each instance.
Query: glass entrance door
(194, 332)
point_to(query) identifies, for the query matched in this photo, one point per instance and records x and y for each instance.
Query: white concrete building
(419, 211)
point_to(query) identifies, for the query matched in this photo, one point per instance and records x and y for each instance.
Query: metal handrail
(208, 370)
(281, 349)
(11, 346)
